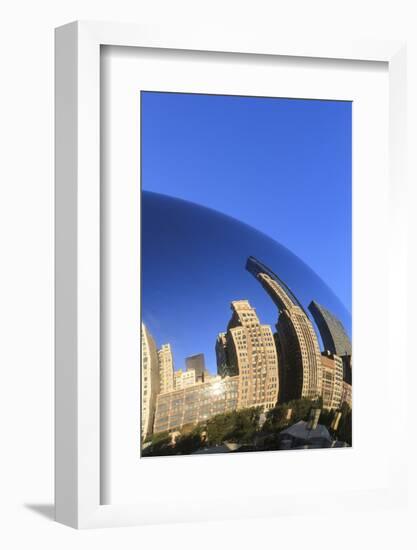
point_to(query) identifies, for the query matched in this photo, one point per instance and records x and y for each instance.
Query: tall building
(166, 368)
(300, 362)
(247, 349)
(332, 380)
(197, 403)
(347, 369)
(197, 364)
(184, 379)
(332, 331)
(224, 368)
(150, 381)
(347, 394)
(334, 336)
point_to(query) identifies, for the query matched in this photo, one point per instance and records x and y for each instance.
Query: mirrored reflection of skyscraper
(150, 381)
(248, 349)
(333, 334)
(196, 363)
(166, 368)
(332, 380)
(224, 368)
(331, 330)
(300, 361)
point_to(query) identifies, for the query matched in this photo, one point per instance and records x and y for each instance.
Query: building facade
(166, 368)
(247, 349)
(301, 370)
(347, 369)
(207, 377)
(331, 330)
(347, 394)
(224, 368)
(197, 364)
(332, 380)
(184, 379)
(150, 381)
(197, 403)
(334, 337)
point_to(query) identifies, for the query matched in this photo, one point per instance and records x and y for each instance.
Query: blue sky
(282, 166)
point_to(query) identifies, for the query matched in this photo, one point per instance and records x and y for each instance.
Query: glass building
(195, 404)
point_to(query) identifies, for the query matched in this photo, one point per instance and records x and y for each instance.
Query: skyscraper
(150, 381)
(166, 368)
(196, 363)
(332, 380)
(332, 331)
(333, 334)
(300, 362)
(224, 367)
(247, 349)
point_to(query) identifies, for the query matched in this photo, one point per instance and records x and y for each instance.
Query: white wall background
(26, 273)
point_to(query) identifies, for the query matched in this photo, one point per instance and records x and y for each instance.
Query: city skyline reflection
(193, 267)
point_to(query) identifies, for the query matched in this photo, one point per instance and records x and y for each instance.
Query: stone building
(150, 381)
(300, 363)
(332, 380)
(247, 349)
(166, 368)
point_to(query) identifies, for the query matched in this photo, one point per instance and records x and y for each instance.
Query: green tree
(237, 426)
(189, 441)
(160, 445)
(279, 417)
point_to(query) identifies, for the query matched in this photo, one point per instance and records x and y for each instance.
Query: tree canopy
(245, 427)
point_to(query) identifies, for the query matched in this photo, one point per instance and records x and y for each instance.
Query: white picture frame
(78, 405)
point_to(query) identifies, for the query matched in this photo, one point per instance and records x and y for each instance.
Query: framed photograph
(228, 213)
(249, 385)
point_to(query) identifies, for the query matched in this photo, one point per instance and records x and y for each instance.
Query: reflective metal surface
(193, 266)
